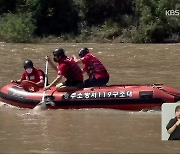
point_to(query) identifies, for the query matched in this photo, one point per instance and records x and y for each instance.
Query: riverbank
(91, 39)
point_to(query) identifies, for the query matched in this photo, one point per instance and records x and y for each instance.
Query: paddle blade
(40, 106)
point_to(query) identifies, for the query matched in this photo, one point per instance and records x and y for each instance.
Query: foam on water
(3, 104)
(156, 111)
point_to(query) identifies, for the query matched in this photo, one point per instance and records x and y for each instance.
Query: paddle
(42, 104)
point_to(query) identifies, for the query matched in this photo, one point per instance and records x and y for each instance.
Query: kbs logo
(172, 12)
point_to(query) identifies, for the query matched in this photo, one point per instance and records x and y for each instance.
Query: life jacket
(44, 75)
(74, 72)
(96, 68)
(34, 76)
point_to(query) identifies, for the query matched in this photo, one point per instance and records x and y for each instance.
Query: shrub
(17, 27)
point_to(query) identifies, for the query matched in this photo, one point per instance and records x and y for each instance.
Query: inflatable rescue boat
(124, 97)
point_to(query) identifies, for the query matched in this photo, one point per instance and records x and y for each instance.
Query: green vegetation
(17, 27)
(137, 21)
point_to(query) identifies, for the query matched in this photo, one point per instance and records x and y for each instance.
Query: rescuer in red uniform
(67, 68)
(31, 73)
(98, 75)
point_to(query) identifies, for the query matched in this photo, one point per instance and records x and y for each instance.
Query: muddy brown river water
(90, 130)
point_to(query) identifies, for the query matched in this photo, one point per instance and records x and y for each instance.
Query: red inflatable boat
(124, 97)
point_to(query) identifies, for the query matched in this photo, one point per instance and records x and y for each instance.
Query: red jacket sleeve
(23, 77)
(40, 74)
(86, 63)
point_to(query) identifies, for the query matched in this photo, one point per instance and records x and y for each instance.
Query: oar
(42, 104)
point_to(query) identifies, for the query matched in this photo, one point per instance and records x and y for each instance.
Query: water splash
(5, 105)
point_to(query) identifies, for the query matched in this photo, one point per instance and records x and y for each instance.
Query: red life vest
(74, 72)
(35, 75)
(94, 67)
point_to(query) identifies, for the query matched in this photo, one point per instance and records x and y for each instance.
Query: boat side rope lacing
(160, 88)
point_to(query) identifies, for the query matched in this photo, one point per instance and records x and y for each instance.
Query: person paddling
(67, 68)
(35, 75)
(98, 75)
